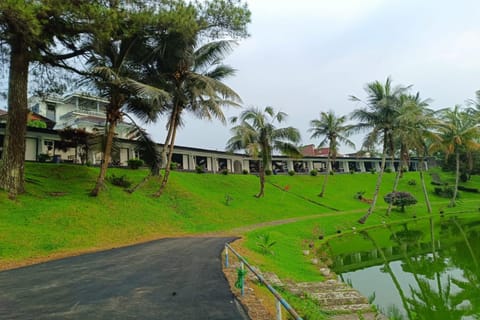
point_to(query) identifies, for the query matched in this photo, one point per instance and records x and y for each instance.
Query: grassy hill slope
(57, 217)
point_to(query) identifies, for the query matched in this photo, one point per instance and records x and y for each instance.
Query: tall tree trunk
(140, 184)
(105, 159)
(264, 163)
(363, 219)
(167, 141)
(170, 144)
(394, 189)
(12, 166)
(424, 188)
(398, 175)
(453, 202)
(326, 175)
(261, 175)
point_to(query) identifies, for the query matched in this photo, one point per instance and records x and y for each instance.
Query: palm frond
(213, 52)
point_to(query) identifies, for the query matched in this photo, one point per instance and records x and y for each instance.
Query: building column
(392, 166)
(269, 165)
(191, 162)
(290, 165)
(184, 161)
(346, 169)
(362, 166)
(377, 166)
(310, 165)
(329, 167)
(246, 165)
(210, 164)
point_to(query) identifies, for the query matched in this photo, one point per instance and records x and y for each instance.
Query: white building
(76, 111)
(81, 111)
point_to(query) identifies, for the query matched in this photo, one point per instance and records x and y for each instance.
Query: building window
(49, 144)
(36, 108)
(51, 112)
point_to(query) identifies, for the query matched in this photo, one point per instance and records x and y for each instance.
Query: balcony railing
(80, 112)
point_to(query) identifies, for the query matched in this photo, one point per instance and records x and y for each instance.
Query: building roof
(311, 151)
(35, 116)
(308, 151)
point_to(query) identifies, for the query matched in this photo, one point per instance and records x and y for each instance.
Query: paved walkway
(164, 279)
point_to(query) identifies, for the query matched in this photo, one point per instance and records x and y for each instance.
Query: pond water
(425, 269)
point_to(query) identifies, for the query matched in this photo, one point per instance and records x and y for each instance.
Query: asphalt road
(164, 279)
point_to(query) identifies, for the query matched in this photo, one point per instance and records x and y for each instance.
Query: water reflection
(423, 270)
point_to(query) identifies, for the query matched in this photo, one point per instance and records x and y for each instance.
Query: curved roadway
(164, 279)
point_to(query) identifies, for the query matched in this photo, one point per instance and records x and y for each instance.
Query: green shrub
(436, 180)
(120, 181)
(331, 172)
(467, 189)
(37, 124)
(199, 169)
(43, 157)
(400, 199)
(359, 195)
(265, 244)
(373, 171)
(173, 166)
(388, 170)
(245, 171)
(445, 192)
(135, 163)
(291, 173)
(224, 172)
(228, 199)
(314, 172)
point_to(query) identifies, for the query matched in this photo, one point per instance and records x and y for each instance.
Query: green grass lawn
(57, 217)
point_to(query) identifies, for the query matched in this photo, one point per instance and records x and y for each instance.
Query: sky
(308, 56)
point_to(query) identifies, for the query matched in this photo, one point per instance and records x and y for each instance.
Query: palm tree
(147, 149)
(193, 77)
(459, 132)
(379, 116)
(474, 104)
(111, 70)
(417, 123)
(334, 131)
(411, 130)
(257, 134)
(474, 110)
